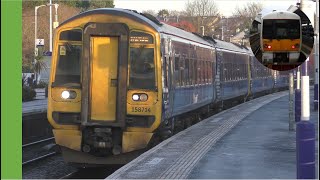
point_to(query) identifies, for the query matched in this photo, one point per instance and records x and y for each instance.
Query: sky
(226, 7)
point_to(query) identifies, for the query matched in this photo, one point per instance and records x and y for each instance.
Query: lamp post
(50, 23)
(202, 27)
(36, 21)
(55, 23)
(36, 26)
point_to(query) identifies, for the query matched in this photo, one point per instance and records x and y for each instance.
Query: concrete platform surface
(35, 106)
(261, 146)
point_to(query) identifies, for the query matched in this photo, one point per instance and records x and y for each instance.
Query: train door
(168, 86)
(220, 74)
(105, 74)
(104, 71)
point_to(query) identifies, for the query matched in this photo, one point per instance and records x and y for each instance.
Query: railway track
(38, 150)
(92, 173)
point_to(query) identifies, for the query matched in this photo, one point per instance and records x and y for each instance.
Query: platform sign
(39, 42)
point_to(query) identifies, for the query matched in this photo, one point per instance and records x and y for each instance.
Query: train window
(182, 70)
(211, 75)
(241, 71)
(142, 68)
(204, 72)
(69, 64)
(141, 38)
(187, 74)
(71, 35)
(281, 29)
(177, 70)
(165, 71)
(210, 72)
(267, 32)
(195, 72)
(205, 69)
(176, 63)
(190, 71)
(207, 66)
(199, 67)
(228, 72)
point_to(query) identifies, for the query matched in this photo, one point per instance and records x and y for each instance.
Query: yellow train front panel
(281, 45)
(85, 87)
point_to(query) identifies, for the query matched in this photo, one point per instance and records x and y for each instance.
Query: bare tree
(204, 13)
(201, 8)
(247, 13)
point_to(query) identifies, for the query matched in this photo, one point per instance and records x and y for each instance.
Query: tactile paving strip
(175, 157)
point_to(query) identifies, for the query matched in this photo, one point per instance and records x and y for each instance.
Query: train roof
(223, 45)
(162, 28)
(144, 19)
(281, 15)
(171, 30)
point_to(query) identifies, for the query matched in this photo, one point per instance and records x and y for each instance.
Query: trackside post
(305, 136)
(297, 99)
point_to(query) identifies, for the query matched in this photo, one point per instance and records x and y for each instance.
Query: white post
(222, 34)
(50, 38)
(298, 78)
(305, 101)
(56, 23)
(202, 27)
(35, 36)
(35, 27)
(56, 15)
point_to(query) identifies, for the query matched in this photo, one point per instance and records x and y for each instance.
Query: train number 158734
(140, 109)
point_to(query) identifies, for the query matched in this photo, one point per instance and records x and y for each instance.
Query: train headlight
(295, 46)
(267, 46)
(143, 97)
(140, 97)
(65, 94)
(68, 94)
(135, 97)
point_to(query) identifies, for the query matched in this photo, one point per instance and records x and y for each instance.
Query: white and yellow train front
(281, 38)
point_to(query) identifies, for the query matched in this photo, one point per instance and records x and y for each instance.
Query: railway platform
(251, 140)
(35, 106)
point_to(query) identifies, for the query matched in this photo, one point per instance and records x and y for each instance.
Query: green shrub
(28, 93)
(42, 84)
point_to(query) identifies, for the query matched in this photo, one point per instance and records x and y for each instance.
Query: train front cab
(104, 92)
(281, 38)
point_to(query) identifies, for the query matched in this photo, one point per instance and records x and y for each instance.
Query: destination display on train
(140, 39)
